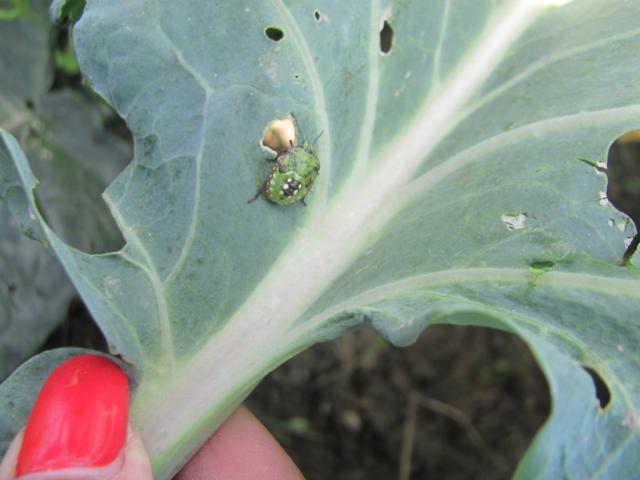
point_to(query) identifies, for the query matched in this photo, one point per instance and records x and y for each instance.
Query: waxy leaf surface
(450, 191)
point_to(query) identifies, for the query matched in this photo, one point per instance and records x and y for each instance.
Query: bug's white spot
(285, 186)
(289, 180)
(281, 192)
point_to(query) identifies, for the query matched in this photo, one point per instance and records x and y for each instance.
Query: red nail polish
(79, 418)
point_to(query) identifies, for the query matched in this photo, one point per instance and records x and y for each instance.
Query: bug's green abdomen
(292, 176)
(304, 161)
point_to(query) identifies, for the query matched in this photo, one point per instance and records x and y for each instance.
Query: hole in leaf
(72, 11)
(69, 192)
(279, 135)
(386, 38)
(602, 390)
(317, 16)
(274, 33)
(78, 329)
(541, 265)
(623, 182)
(67, 73)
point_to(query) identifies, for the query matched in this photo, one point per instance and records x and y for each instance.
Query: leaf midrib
(583, 281)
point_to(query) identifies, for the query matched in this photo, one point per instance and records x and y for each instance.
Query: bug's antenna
(317, 138)
(297, 125)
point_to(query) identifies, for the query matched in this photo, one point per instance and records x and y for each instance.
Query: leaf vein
(615, 452)
(373, 92)
(611, 286)
(182, 61)
(158, 288)
(125, 324)
(436, 72)
(504, 139)
(186, 248)
(144, 89)
(541, 64)
(322, 118)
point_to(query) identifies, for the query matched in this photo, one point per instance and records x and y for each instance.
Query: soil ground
(461, 403)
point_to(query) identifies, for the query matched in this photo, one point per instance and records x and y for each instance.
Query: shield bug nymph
(293, 173)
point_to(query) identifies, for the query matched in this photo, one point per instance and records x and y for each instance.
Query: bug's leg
(256, 195)
(259, 192)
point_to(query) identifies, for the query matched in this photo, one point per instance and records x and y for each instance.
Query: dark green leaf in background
(63, 134)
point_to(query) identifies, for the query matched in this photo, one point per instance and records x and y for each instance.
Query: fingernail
(79, 418)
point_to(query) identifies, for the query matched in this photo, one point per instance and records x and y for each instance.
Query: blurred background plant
(63, 129)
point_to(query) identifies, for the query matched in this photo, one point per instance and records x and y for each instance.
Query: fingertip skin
(241, 449)
(79, 418)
